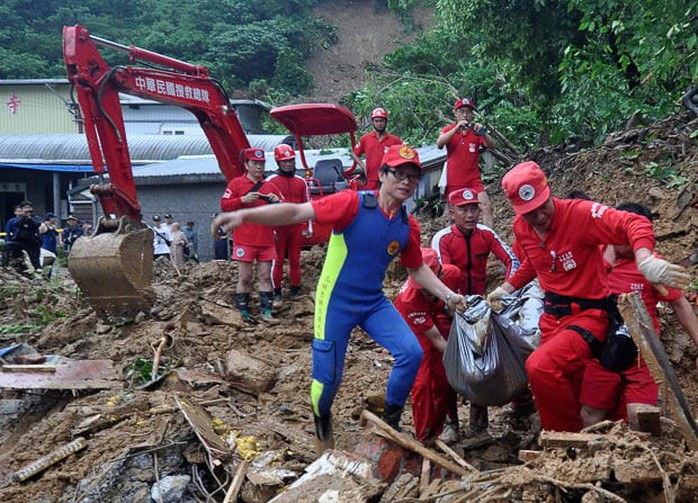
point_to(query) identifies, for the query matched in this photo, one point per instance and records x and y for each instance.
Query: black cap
(167, 215)
(156, 218)
(190, 222)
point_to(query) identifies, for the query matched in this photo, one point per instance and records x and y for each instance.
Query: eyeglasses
(404, 175)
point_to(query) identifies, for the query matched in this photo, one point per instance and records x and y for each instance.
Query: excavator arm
(113, 267)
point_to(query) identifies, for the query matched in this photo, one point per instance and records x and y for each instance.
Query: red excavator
(328, 174)
(113, 267)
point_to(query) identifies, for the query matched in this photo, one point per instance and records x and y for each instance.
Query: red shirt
(567, 261)
(470, 253)
(292, 188)
(340, 209)
(249, 233)
(373, 149)
(623, 277)
(416, 309)
(463, 155)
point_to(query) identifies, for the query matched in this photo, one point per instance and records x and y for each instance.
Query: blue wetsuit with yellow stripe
(350, 294)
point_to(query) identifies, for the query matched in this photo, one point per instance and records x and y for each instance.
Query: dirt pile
(242, 388)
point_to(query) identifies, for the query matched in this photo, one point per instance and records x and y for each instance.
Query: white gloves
(661, 272)
(494, 299)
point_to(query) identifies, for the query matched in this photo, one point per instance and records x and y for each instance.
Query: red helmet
(284, 152)
(379, 113)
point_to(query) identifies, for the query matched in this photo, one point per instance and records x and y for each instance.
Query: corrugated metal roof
(72, 148)
(429, 155)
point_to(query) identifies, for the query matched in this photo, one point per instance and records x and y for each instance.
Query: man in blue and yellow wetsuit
(369, 230)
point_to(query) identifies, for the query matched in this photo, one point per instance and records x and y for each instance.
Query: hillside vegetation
(541, 71)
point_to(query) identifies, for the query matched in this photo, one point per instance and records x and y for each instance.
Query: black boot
(278, 297)
(266, 300)
(324, 438)
(392, 416)
(242, 302)
(295, 291)
(479, 419)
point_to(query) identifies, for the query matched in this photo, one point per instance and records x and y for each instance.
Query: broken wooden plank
(408, 443)
(405, 486)
(446, 449)
(642, 331)
(648, 419)
(631, 472)
(76, 374)
(564, 439)
(202, 424)
(236, 484)
(527, 456)
(425, 477)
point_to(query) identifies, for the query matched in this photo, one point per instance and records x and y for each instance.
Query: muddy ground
(136, 438)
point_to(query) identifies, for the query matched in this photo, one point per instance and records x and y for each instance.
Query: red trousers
(556, 368)
(288, 244)
(432, 397)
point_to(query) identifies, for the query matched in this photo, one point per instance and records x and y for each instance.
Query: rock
(250, 372)
(170, 489)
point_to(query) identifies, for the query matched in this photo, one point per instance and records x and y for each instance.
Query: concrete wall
(35, 108)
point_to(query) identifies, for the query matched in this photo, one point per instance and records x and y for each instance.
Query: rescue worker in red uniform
(252, 242)
(559, 241)
(288, 238)
(463, 141)
(374, 145)
(369, 229)
(467, 245)
(618, 395)
(432, 396)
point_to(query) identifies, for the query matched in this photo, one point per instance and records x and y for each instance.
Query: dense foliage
(241, 41)
(541, 70)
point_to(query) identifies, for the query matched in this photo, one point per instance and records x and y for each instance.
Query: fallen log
(408, 443)
(642, 331)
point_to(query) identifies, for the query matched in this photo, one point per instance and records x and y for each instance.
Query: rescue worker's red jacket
(469, 254)
(249, 233)
(567, 260)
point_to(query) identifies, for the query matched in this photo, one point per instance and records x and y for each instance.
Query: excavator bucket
(114, 270)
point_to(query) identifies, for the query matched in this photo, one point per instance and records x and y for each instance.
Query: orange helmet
(284, 152)
(379, 113)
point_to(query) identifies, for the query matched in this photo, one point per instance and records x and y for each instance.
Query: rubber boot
(450, 435)
(278, 297)
(392, 416)
(242, 302)
(324, 438)
(47, 267)
(478, 418)
(266, 300)
(295, 291)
